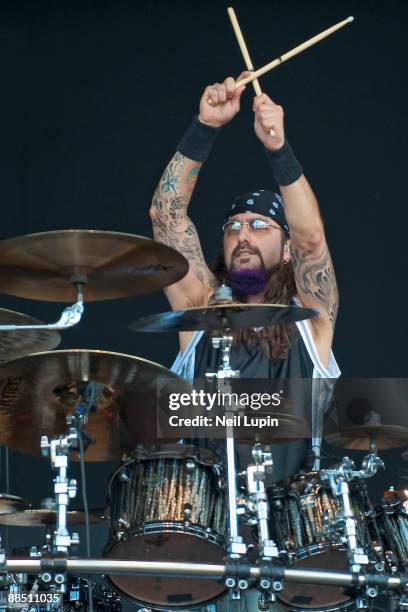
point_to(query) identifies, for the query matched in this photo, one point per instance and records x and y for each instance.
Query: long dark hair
(275, 340)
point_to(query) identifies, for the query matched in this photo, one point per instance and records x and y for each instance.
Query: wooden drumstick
(292, 52)
(243, 47)
(245, 53)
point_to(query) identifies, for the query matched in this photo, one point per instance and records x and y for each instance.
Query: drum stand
(58, 450)
(339, 478)
(255, 477)
(255, 473)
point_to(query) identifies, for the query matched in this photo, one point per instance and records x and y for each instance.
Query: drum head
(169, 543)
(317, 596)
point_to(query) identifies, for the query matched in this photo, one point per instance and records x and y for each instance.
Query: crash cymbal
(11, 503)
(359, 437)
(111, 264)
(17, 343)
(222, 316)
(39, 517)
(38, 391)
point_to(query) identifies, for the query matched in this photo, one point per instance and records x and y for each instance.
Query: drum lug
(124, 476)
(190, 465)
(123, 523)
(187, 510)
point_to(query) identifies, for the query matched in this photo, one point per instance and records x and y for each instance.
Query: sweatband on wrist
(285, 167)
(197, 141)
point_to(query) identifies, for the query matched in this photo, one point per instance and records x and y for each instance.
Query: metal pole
(110, 566)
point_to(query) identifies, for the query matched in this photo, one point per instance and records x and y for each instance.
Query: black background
(95, 97)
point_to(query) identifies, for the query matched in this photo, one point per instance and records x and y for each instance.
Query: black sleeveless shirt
(288, 458)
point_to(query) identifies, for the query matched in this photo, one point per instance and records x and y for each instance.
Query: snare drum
(304, 523)
(167, 504)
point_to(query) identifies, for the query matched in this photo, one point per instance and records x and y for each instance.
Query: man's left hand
(269, 122)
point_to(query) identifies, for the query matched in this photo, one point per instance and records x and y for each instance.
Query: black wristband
(286, 168)
(198, 140)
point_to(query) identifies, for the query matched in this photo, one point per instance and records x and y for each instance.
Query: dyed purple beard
(247, 282)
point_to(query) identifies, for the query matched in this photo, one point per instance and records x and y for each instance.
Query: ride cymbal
(20, 342)
(10, 504)
(110, 265)
(223, 316)
(37, 392)
(359, 437)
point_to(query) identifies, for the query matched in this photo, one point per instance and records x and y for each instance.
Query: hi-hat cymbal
(359, 437)
(17, 343)
(111, 264)
(39, 517)
(223, 316)
(38, 391)
(11, 503)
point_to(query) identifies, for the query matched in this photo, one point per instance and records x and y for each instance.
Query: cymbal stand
(69, 317)
(236, 547)
(223, 342)
(58, 449)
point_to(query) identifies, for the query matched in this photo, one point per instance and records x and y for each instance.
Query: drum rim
(184, 528)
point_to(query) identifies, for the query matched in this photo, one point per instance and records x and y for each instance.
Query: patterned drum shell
(304, 521)
(166, 504)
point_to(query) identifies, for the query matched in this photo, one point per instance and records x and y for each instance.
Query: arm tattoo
(171, 223)
(314, 275)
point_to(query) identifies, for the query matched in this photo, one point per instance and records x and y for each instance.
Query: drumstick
(245, 53)
(292, 52)
(243, 47)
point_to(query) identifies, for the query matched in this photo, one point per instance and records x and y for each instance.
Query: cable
(86, 511)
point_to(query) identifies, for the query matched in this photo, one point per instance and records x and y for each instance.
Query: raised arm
(312, 264)
(173, 226)
(171, 223)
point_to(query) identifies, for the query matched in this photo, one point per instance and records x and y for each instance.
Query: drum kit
(187, 527)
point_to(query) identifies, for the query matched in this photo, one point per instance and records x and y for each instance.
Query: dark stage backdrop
(96, 95)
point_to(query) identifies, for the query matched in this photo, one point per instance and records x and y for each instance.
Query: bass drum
(304, 522)
(167, 504)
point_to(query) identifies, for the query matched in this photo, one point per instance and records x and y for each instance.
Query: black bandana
(264, 202)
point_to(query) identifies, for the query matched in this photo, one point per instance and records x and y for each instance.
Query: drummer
(274, 250)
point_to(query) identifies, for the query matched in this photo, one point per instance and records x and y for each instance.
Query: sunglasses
(254, 225)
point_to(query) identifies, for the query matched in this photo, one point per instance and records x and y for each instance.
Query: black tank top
(289, 458)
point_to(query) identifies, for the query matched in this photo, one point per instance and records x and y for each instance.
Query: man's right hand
(220, 102)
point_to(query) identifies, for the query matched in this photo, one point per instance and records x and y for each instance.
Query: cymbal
(359, 437)
(112, 265)
(20, 342)
(223, 316)
(38, 391)
(39, 517)
(12, 503)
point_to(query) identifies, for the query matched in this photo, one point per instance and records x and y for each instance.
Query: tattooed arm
(219, 103)
(313, 268)
(312, 264)
(173, 226)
